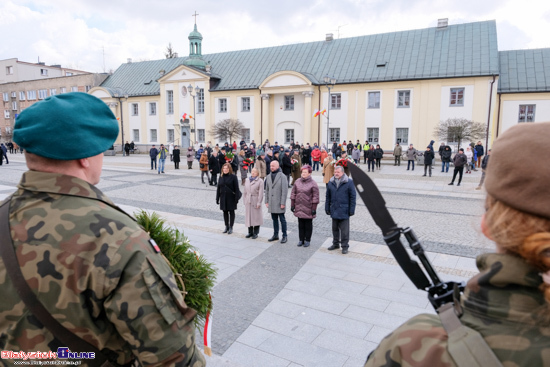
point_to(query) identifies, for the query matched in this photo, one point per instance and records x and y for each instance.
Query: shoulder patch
(154, 245)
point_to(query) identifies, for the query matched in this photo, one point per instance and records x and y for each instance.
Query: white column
(307, 118)
(265, 118)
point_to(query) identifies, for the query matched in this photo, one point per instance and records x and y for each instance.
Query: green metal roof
(524, 71)
(460, 50)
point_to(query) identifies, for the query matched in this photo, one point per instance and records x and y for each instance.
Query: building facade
(388, 88)
(12, 70)
(17, 96)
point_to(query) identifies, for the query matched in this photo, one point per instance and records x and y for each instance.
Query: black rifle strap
(9, 257)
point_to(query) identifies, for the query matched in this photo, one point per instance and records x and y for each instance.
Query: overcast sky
(99, 35)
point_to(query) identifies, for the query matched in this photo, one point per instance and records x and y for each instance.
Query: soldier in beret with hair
(89, 263)
(508, 302)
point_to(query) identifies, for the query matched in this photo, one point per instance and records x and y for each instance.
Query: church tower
(195, 50)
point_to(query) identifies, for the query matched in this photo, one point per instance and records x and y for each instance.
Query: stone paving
(282, 305)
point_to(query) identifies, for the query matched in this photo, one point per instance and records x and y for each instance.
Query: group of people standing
(272, 190)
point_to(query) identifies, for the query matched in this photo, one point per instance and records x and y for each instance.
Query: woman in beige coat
(253, 199)
(328, 169)
(261, 165)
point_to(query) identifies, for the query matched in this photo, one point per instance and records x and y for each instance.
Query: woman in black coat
(176, 157)
(378, 154)
(227, 196)
(214, 167)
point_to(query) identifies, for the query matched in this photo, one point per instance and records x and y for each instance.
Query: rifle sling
(66, 337)
(465, 345)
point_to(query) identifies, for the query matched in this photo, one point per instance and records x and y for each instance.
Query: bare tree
(228, 128)
(459, 129)
(170, 53)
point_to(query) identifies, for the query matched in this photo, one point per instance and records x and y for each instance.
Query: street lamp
(329, 82)
(197, 90)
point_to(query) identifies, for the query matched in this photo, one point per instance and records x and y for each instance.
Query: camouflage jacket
(96, 272)
(501, 303)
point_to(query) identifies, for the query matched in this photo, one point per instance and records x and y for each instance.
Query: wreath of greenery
(194, 273)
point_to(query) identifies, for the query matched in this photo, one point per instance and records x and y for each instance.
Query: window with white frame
(153, 134)
(14, 105)
(152, 108)
(170, 135)
(246, 135)
(222, 105)
(527, 113)
(402, 135)
(374, 99)
(135, 134)
(7, 114)
(88, 87)
(373, 134)
(21, 96)
(135, 109)
(245, 104)
(13, 94)
(452, 134)
(9, 70)
(53, 92)
(457, 97)
(67, 73)
(289, 103)
(8, 129)
(31, 95)
(335, 101)
(170, 102)
(334, 134)
(289, 136)
(44, 72)
(42, 93)
(74, 89)
(200, 101)
(6, 96)
(403, 98)
(63, 90)
(201, 135)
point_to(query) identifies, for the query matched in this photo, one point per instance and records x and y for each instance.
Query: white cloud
(75, 33)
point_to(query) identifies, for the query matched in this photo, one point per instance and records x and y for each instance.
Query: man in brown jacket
(328, 169)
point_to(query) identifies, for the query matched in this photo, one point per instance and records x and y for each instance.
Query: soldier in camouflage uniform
(508, 301)
(94, 269)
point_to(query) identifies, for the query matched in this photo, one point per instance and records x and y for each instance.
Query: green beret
(66, 127)
(517, 173)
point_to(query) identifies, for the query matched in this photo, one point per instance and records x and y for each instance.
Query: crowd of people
(268, 172)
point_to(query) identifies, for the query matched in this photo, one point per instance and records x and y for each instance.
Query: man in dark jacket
(214, 167)
(483, 168)
(287, 166)
(428, 158)
(334, 149)
(446, 158)
(306, 155)
(340, 205)
(459, 161)
(480, 152)
(153, 153)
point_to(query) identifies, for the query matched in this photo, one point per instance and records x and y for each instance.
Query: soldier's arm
(421, 341)
(147, 308)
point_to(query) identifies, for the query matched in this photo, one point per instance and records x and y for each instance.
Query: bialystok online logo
(62, 353)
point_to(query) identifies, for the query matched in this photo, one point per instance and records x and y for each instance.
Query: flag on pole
(323, 112)
(317, 113)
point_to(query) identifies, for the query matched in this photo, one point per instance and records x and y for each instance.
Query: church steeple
(195, 48)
